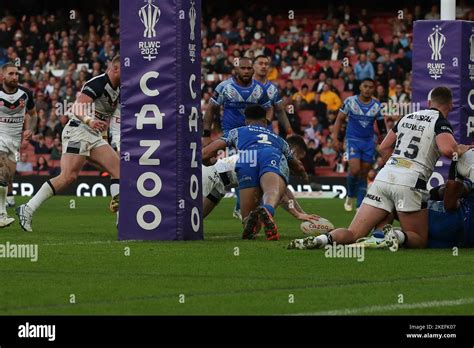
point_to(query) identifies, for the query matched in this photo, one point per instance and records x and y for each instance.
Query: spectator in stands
(380, 94)
(402, 61)
(322, 53)
(381, 76)
(433, 14)
(330, 98)
(363, 69)
(392, 84)
(319, 108)
(23, 165)
(289, 89)
(58, 129)
(396, 45)
(41, 164)
(378, 41)
(352, 85)
(319, 84)
(56, 149)
(297, 73)
(400, 96)
(305, 94)
(313, 128)
(38, 143)
(326, 69)
(336, 52)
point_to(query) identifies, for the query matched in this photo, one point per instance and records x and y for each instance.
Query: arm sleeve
(287, 151)
(345, 108)
(274, 94)
(264, 101)
(30, 104)
(231, 138)
(218, 96)
(94, 88)
(443, 126)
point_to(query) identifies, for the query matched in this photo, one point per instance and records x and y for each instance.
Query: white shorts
(392, 197)
(11, 147)
(212, 185)
(79, 139)
(115, 139)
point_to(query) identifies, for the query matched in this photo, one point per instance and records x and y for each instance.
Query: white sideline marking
(393, 307)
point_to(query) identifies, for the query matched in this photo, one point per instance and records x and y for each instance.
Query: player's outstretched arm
(387, 146)
(291, 205)
(80, 108)
(210, 150)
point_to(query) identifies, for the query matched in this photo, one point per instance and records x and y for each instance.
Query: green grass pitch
(79, 255)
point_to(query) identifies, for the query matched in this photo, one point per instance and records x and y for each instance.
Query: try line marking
(393, 307)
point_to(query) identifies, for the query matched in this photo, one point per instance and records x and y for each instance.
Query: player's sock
(401, 236)
(325, 239)
(237, 203)
(10, 198)
(270, 209)
(361, 191)
(114, 187)
(3, 198)
(352, 183)
(45, 192)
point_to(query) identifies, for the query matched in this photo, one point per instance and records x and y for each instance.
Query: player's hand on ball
(27, 134)
(308, 217)
(98, 124)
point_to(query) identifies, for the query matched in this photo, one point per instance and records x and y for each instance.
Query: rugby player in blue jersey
(262, 170)
(234, 95)
(260, 66)
(361, 111)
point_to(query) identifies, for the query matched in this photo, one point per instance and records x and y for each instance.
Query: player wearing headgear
(361, 111)
(262, 170)
(83, 138)
(16, 106)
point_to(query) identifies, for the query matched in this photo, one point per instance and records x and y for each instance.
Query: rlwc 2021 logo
(436, 41)
(149, 16)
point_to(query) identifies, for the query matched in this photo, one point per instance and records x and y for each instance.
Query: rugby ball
(465, 165)
(316, 227)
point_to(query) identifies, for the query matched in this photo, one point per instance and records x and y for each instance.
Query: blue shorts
(445, 229)
(253, 163)
(363, 149)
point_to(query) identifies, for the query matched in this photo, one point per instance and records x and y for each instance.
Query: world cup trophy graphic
(436, 41)
(192, 20)
(149, 15)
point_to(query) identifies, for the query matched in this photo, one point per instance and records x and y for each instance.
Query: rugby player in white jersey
(83, 138)
(16, 106)
(411, 149)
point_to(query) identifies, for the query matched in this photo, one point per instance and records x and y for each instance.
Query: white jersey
(416, 152)
(13, 107)
(465, 165)
(226, 166)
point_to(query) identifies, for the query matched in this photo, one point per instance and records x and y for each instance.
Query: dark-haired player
(262, 170)
(361, 111)
(16, 106)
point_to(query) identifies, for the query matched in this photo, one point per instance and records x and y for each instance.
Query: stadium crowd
(57, 56)
(317, 61)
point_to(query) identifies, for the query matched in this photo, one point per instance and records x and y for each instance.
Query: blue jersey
(450, 229)
(256, 138)
(235, 98)
(260, 151)
(361, 117)
(272, 93)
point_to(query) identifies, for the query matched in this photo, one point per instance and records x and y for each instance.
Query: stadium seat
(364, 46)
(344, 95)
(305, 116)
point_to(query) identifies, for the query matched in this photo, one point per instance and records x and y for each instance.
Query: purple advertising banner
(442, 51)
(160, 184)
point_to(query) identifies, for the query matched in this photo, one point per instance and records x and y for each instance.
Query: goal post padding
(160, 184)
